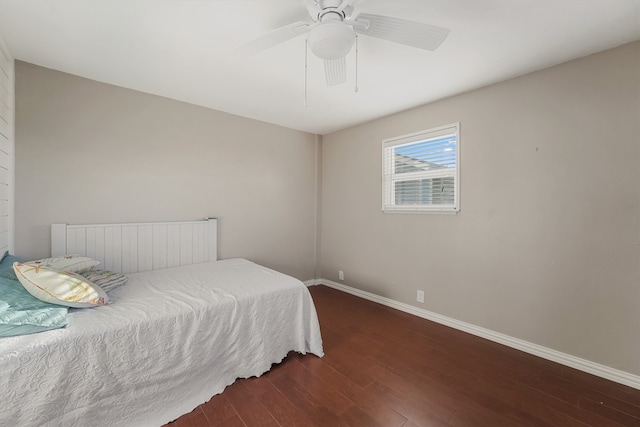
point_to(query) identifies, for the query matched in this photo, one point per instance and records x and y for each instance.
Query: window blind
(421, 171)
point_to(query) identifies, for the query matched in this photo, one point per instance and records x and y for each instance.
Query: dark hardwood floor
(383, 367)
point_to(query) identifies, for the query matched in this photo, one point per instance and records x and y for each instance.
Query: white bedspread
(170, 341)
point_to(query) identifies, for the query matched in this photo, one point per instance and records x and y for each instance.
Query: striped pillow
(107, 280)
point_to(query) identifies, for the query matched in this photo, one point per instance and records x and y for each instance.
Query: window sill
(413, 211)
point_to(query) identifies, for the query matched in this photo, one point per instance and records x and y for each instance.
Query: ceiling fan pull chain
(355, 89)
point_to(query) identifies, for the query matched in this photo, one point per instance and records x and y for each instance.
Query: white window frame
(389, 178)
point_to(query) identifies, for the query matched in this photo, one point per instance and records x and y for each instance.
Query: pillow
(59, 287)
(21, 313)
(107, 280)
(73, 263)
(6, 266)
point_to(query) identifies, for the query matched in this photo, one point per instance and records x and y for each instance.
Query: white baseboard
(535, 349)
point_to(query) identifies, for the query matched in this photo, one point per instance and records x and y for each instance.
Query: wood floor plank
(322, 388)
(609, 412)
(414, 407)
(250, 410)
(477, 416)
(433, 366)
(356, 417)
(349, 363)
(218, 410)
(195, 418)
(320, 413)
(441, 404)
(574, 411)
(591, 382)
(284, 411)
(377, 409)
(600, 396)
(502, 396)
(388, 368)
(232, 422)
(259, 386)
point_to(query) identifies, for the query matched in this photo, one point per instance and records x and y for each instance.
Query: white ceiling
(184, 49)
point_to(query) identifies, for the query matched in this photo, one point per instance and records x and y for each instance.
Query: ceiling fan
(333, 28)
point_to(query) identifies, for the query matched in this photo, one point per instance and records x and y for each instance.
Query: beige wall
(89, 152)
(546, 247)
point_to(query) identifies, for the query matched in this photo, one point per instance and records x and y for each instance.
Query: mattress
(171, 340)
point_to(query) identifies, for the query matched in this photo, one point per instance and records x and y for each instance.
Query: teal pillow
(21, 313)
(6, 266)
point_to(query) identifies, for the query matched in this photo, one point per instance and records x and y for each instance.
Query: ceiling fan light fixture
(331, 40)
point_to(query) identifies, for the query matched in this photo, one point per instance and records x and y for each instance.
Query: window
(421, 171)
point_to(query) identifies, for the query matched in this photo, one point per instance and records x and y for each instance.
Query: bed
(183, 328)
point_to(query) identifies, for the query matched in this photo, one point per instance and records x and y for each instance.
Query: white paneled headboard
(129, 248)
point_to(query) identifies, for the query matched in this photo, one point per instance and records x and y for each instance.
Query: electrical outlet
(420, 296)
(341, 275)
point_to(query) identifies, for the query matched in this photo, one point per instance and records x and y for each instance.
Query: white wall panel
(6, 147)
(113, 249)
(186, 244)
(4, 111)
(145, 243)
(5, 144)
(76, 242)
(173, 245)
(5, 97)
(129, 249)
(160, 247)
(4, 128)
(200, 248)
(95, 243)
(5, 161)
(6, 61)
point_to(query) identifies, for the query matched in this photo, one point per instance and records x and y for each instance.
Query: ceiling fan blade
(273, 38)
(346, 6)
(335, 71)
(313, 8)
(403, 31)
